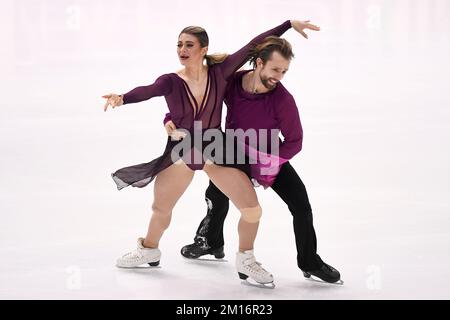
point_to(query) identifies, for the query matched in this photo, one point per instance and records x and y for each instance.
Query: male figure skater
(256, 99)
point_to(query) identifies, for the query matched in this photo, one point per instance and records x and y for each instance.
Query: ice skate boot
(326, 274)
(200, 248)
(140, 256)
(247, 267)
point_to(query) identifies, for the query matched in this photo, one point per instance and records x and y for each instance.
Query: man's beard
(265, 82)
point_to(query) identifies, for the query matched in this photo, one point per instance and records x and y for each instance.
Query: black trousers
(292, 191)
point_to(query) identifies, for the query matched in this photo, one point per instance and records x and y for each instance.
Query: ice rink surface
(372, 89)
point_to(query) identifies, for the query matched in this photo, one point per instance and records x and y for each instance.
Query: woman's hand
(170, 127)
(112, 100)
(299, 26)
(172, 131)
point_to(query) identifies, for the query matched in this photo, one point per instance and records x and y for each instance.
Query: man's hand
(299, 26)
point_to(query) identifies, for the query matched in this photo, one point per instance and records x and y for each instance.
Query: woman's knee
(251, 214)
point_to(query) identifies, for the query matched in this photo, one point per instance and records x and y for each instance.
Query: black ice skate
(200, 248)
(326, 273)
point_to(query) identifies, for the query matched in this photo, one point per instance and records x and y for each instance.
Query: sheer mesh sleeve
(161, 87)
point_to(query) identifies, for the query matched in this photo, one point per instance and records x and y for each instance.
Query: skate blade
(315, 279)
(212, 259)
(153, 265)
(252, 283)
(206, 259)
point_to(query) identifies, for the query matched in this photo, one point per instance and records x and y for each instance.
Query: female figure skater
(195, 95)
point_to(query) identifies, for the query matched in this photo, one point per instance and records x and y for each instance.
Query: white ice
(373, 93)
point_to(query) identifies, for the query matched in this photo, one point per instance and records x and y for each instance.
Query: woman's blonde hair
(202, 37)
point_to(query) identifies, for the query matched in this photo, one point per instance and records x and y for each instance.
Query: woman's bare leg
(237, 187)
(170, 184)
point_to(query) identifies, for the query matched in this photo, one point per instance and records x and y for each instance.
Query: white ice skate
(248, 267)
(140, 256)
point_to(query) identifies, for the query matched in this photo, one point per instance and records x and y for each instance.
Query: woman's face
(189, 50)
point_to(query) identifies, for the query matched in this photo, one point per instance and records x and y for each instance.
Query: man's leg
(209, 236)
(292, 191)
(211, 227)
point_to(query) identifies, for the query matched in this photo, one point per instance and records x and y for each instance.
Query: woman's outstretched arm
(161, 87)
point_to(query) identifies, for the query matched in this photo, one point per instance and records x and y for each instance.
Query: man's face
(273, 71)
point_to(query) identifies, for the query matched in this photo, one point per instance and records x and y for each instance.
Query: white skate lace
(133, 255)
(254, 266)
